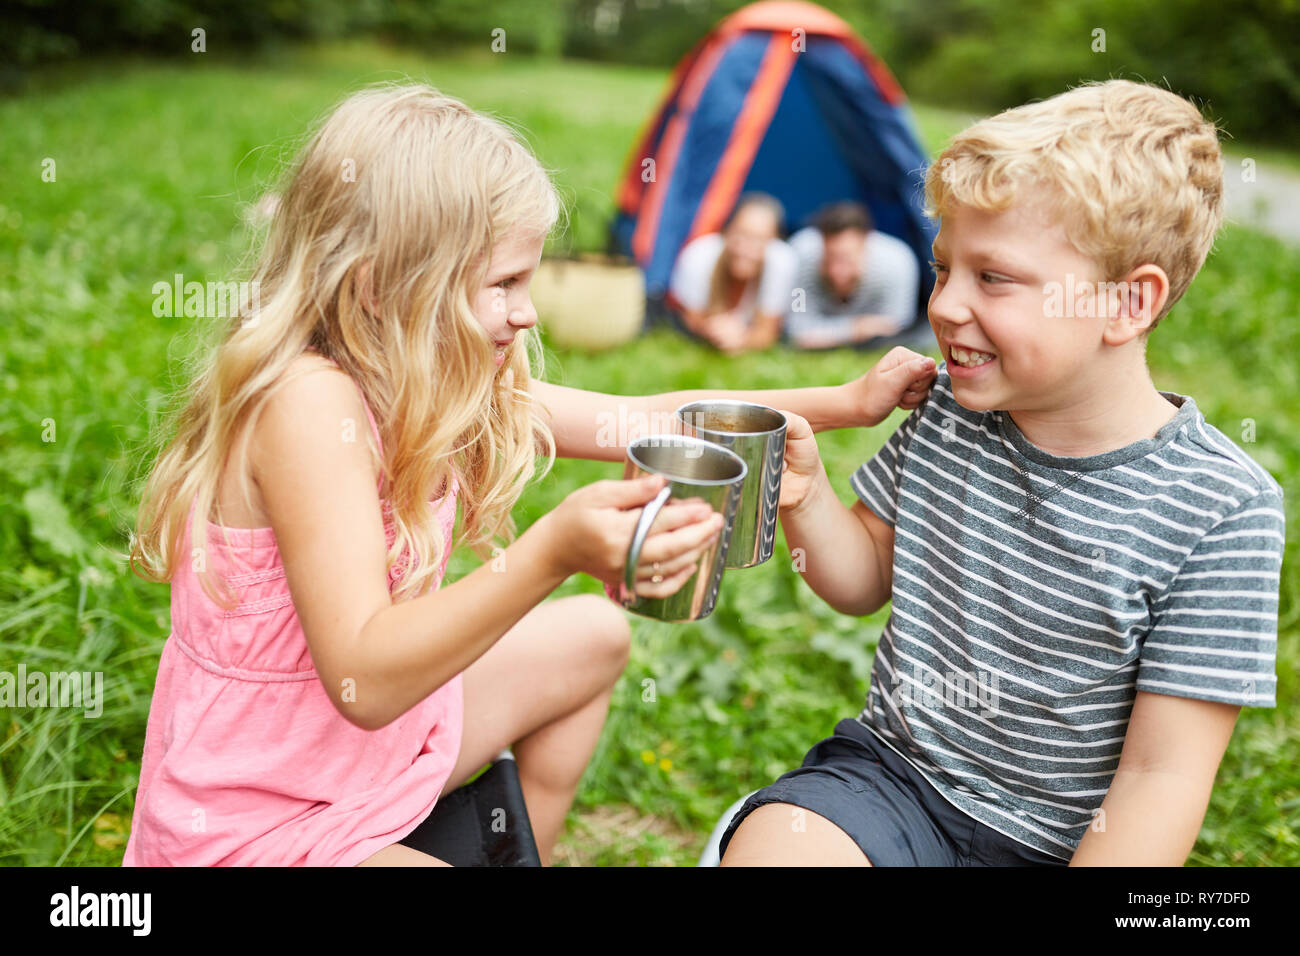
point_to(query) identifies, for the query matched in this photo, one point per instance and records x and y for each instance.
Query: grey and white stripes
(1033, 596)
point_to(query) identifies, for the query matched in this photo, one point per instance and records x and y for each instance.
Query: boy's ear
(1138, 300)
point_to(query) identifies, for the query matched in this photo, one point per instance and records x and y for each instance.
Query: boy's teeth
(970, 359)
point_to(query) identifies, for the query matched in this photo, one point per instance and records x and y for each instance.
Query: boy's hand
(803, 464)
(901, 379)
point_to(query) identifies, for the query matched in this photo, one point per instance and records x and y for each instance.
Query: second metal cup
(756, 434)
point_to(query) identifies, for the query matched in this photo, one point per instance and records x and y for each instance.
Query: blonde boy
(1084, 572)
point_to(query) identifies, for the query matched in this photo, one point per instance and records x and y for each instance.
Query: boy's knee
(783, 834)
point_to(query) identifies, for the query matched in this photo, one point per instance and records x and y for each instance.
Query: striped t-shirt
(1033, 596)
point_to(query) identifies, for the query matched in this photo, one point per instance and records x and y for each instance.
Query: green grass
(154, 164)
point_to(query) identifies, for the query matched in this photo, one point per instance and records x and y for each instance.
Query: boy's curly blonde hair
(1134, 172)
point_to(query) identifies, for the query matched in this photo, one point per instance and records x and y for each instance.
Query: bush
(972, 54)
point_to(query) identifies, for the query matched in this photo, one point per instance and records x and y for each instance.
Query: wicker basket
(591, 302)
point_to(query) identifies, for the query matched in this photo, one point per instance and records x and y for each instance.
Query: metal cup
(694, 468)
(757, 434)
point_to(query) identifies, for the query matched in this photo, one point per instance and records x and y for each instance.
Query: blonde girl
(319, 690)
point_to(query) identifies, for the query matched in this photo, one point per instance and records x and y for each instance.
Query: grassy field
(156, 163)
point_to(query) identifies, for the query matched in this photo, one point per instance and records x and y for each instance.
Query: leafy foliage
(1239, 58)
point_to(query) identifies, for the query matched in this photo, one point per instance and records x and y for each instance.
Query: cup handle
(648, 515)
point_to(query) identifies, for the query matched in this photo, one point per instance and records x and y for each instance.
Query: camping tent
(781, 98)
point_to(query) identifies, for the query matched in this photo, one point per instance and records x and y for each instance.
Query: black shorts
(892, 812)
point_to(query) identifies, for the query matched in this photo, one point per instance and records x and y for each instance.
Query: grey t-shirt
(888, 287)
(1034, 596)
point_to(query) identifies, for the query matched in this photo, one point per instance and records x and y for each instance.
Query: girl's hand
(593, 528)
(803, 467)
(901, 379)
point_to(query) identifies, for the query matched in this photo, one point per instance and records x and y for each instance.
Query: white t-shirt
(693, 274)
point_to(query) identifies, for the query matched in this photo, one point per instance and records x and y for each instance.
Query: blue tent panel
(702, 150)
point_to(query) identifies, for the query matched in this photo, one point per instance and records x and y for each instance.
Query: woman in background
(732, 288)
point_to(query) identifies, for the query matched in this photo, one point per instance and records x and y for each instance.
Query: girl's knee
(608, 629)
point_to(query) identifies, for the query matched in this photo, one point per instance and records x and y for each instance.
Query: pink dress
(246, 760)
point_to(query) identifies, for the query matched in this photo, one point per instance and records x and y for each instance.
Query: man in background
(855, 285)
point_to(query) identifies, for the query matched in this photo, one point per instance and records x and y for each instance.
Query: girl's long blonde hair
(403, 190)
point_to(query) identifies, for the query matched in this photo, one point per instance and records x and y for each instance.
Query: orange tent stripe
(751, 125)
(652, 203)
(782, 16)
(885, 82)
(633, 187)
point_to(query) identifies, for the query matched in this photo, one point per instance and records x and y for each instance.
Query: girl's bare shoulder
(314, 410)
(309, 402)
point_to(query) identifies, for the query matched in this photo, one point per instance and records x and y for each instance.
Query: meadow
(158, 163)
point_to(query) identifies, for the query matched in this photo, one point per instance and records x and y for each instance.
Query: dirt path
(1270, 203)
